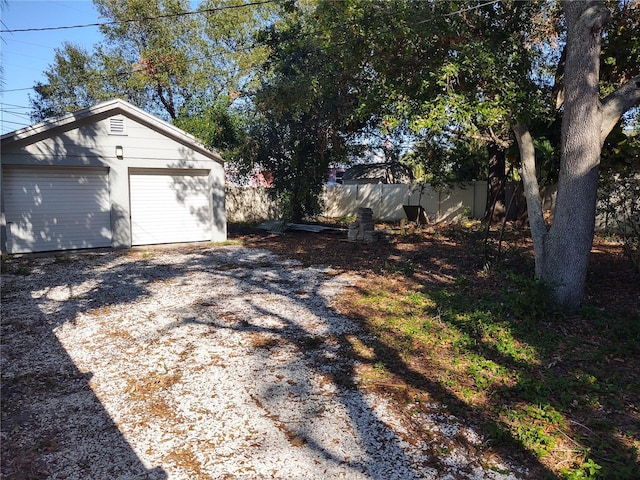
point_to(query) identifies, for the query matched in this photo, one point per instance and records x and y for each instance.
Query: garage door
(170, 208)
(56, 209)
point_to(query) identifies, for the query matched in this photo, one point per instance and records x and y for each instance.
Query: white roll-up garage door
(170, 207)
(56, 208)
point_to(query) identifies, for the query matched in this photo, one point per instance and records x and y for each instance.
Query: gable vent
(117, 126)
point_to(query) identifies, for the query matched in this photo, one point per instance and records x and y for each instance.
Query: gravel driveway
(199, 362)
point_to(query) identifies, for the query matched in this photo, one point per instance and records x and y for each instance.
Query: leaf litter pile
(263, 361)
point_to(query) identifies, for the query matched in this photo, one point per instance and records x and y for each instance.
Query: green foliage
(589, 470)
(159, 58)
(445, 164)
(304, 113)
(71, 84)
(534, 425)
(527, 298)
(621, 44)
(404, 268)
(621, 151)
(287, 151)
(218, 127)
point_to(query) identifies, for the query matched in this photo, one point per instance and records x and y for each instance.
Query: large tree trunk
(495, 209)
(562, 251)
(568, 243)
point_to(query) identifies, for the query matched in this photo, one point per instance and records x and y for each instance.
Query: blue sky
(26, 55)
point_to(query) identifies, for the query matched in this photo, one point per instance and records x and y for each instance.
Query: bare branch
(557, 94)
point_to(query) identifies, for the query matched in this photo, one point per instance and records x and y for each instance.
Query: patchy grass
(225, 243)
(560, 390)
(559, 386)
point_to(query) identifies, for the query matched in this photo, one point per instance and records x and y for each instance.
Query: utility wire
(116, 22)
(9, 112)
(13, 105)
(15, 123)
(16, 90)
(475, 7)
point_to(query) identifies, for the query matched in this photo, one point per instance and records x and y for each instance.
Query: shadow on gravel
(52, 424)
(46, 399)
(340, 369)
(382, 454)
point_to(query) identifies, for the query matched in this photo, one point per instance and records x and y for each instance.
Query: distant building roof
(391, 172)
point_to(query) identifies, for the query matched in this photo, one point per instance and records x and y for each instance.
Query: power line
(13, 40)
(16, 90)
(17, 114)
(13, 105)
(116, 22)
(15, 123)
(475, 7)
(22, 66)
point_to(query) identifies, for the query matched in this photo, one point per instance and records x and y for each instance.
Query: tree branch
(498, 141)
(531, 192)
(617, 103)
(557, 93)
(168, 103)
(594, 17)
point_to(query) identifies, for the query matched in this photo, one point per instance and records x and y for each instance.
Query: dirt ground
(438, 257)
(612, 282)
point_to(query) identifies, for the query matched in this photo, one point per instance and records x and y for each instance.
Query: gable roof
(108, 109)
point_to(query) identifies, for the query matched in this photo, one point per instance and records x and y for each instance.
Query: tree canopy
(164, 58)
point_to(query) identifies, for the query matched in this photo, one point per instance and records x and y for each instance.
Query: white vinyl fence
(249, 204)
(387, 201)
(246, 204)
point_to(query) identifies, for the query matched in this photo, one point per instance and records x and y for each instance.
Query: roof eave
(116, 106)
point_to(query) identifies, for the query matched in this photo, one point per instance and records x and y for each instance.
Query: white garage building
(108, 176)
